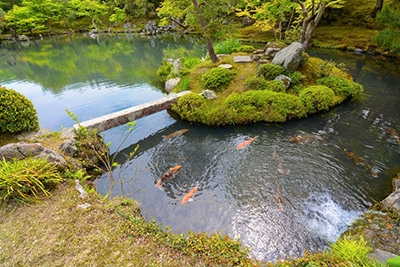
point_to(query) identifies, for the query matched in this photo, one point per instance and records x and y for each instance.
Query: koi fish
(304, 139)
(360, 161)
(245, 143)
(394, 134)
(189, 195)
(168, 175)
(176, 134)
(282, 166)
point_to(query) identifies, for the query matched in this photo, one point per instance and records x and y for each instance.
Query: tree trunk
(378, 8)
(290, 23)
(210, 47)
(65, 21)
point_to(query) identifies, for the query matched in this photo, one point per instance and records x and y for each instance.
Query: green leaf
(394, 262)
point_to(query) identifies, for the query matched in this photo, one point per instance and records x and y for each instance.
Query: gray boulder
(69, 147)
(208, 94)
(393, 200)
(286, 80)
(272, 48)
(246, 21)
(242, 59)
(177, 66)
(171, 83)
(289, 57)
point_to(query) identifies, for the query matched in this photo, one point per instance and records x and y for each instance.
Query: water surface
(239, 190)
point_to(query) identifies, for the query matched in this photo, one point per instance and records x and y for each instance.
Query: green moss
(243, 48)
(270, 71)
(165, 70)
(259, 83)
(317, 98)
(341, 86)
(216, 77)
(297, 79)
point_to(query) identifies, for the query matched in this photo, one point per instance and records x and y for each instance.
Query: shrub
(16, 112)
(341, 86)
(184, 72)
(276, 86)
(243, 48)
(317, 98)
(256, 83)
(297, 78)
(191, 62)
(189, 103)
(270, 71)
(27, 180)
(389, 37)
(226, 47)
(183, 85)
(165, 70)
(216, 77)
(351, 249)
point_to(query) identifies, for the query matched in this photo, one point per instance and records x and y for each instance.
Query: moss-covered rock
(317, 98)
(341, 86)
(259, 83)
(270, 71)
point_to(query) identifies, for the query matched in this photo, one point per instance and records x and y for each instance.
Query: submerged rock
(289, 58)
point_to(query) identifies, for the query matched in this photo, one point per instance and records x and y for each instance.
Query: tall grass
(227, 46)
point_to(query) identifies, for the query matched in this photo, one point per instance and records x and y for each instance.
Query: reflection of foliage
(390, 36)
(55, 65)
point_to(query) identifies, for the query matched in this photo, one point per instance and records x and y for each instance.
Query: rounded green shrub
(216, 77)
(317, 98)
(259, 83)
(276, 86)
(188, 104)
(16, 112)
(243, 48)
(341, 86)
(164, 70)
(270, 71)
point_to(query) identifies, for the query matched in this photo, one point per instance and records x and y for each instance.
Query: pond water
(241, 192)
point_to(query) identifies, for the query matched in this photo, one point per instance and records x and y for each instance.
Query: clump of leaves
(27, 180)
(183, 85)
(190, 62)
(16, 112)
(216, 77)
(270, 71)
(227, 46)
(164, 70)
(351, 249)
(317, 98)
(341, 86)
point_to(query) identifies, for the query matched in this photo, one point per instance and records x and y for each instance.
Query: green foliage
(351, 249)
(276, 86)
(256, 83)
(215, 249)
(189, 103)
(270, 71)
(27, 180)
(341, 86)
(183, 85)
(216, 77)
(165, 70)
(304, 59)
(227, 46)
(327, 66)
(297, 78)
(16, 112)
(395, 261)
(191, 62)
(243, 48)
(119, 15)
(24, 18)
(184, 72)
(317, 98)
(389, 37)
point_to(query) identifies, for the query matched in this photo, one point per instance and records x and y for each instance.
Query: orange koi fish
(282, 166)
(245, 143)
(176, 134)
(168, 175)
(304, 139)
(360, 161)
(394, 134)
(189, 195)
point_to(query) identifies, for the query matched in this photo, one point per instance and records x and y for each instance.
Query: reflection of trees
(56, 64)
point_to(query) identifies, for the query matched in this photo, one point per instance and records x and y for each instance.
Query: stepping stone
(225, 66)
(381, 255)
(242, 59)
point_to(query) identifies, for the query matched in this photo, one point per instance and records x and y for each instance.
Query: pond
(242, 193)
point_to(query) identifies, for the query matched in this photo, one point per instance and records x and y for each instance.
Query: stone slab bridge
(118, 118)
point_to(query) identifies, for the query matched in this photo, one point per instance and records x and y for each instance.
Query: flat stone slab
(242, 59)
(130, 114)
(225, 66)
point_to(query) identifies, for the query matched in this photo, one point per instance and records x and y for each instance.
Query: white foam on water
(327, 219)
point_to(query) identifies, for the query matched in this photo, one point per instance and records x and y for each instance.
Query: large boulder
(272, 48)
(171, 83)
(289, 57)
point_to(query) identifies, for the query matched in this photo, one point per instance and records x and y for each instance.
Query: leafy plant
(270, 71)
(243, 48)
(183, 85)
(297, 78)
(317, 98)
(16, 112)
(217, 77)
(164, 70)
(227, 46)
(341, 86)
(351, 249)
(191, 62)
(27, 180)
(389, 37)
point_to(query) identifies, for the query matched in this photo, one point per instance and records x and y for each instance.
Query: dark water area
(241, 192)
